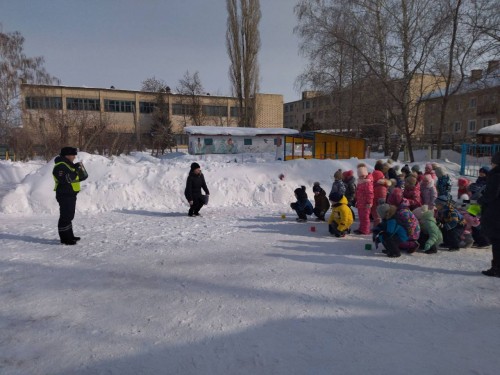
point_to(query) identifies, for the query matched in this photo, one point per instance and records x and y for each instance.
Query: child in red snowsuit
(380, 186)
(364, 199)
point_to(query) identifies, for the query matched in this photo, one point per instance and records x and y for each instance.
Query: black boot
(493, 271)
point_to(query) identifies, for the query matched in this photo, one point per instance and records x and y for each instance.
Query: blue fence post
(463, 159)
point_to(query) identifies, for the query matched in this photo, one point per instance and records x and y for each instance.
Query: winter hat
(419, 211)
(415, 168)
(484, 170)
(462, 181)
(428, 168)
(338, 175)
(411, 180)
(379, 165)
(396, 197)
(65, 151)
(442, 199)
(362, 170)
(377, 175)
(495, 159)
(347, 174)
(195, 166)
(300, 192)
(383, 210)
(406, 170)
(474, 209)
(439, 171)
(428, 180)
(335, 196)
(316, 187)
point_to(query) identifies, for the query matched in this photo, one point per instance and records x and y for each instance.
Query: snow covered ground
(239, 290)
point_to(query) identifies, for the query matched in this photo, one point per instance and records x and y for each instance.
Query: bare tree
(154, 84)
(243, 44)
(191, 90)
(16, 67)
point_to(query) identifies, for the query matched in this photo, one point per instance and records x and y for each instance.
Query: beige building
(127, 111)
(474, 106)
(355, 109)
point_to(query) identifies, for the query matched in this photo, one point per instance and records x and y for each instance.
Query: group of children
(403, 210)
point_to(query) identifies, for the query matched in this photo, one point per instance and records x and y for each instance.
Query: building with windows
(130, 112)
(475, 105)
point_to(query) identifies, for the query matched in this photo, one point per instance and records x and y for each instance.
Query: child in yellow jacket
(341, 219)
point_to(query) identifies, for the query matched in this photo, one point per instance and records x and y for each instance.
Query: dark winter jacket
(337, 187)
(67, 173)
(443, 185)
(303, 204)
(321, 202)
(490, 205)
(350, 189)
(449, 217)
(194, 184)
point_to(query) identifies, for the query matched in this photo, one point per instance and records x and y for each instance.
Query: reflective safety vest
(75, 185)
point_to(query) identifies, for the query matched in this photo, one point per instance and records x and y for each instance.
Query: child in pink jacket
(428, 192)
(380, 186)
(429, 170)
(364, 199)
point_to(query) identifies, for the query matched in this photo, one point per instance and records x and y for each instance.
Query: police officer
(67, 176)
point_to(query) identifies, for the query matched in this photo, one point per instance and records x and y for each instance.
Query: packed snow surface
(239, 290)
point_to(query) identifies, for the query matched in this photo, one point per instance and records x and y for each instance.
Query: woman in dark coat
(195, 182)
(490, 214)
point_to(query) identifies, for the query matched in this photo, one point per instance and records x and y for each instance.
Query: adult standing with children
(194, 184)
(490, 214)
(67, 176)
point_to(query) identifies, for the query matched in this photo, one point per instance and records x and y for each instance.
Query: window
(457, 126)
(214, 110)
(119, 106)
(43, 102)
(146, 107)
(472, 103)
(488, 122)
(235, 111)
(247, 141)
(182, 109)
(472, 126)
(208, 141)
(83, 104)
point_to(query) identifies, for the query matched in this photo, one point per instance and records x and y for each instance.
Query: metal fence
(475, 156)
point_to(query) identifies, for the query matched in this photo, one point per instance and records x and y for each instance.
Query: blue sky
(100, 43)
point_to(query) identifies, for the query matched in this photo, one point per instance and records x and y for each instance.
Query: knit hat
(495, 159)
(439, 171)
(362, 170)
(377, 175)
(474, 209)
(379, 165)
(68, 151)
(464, 200)
(428, 180)
(411, 180)
(484, 170)
(442, 199)
(419, 211)
(338, 175)
(415, 168)
(406, 170)
(383, 210)
(428, 168)
(195, 166)
(316, 187)
(348, 174)
(335, 197)
(462, 181)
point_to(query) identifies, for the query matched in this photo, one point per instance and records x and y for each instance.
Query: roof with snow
(234, 131)
(489, 80)
(492, 129)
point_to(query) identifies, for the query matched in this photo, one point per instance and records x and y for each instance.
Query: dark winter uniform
(67, 177)
(490, 214)
(194, 184)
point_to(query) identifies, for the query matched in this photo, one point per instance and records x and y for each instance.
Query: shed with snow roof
(489, 134)
(233, 140)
